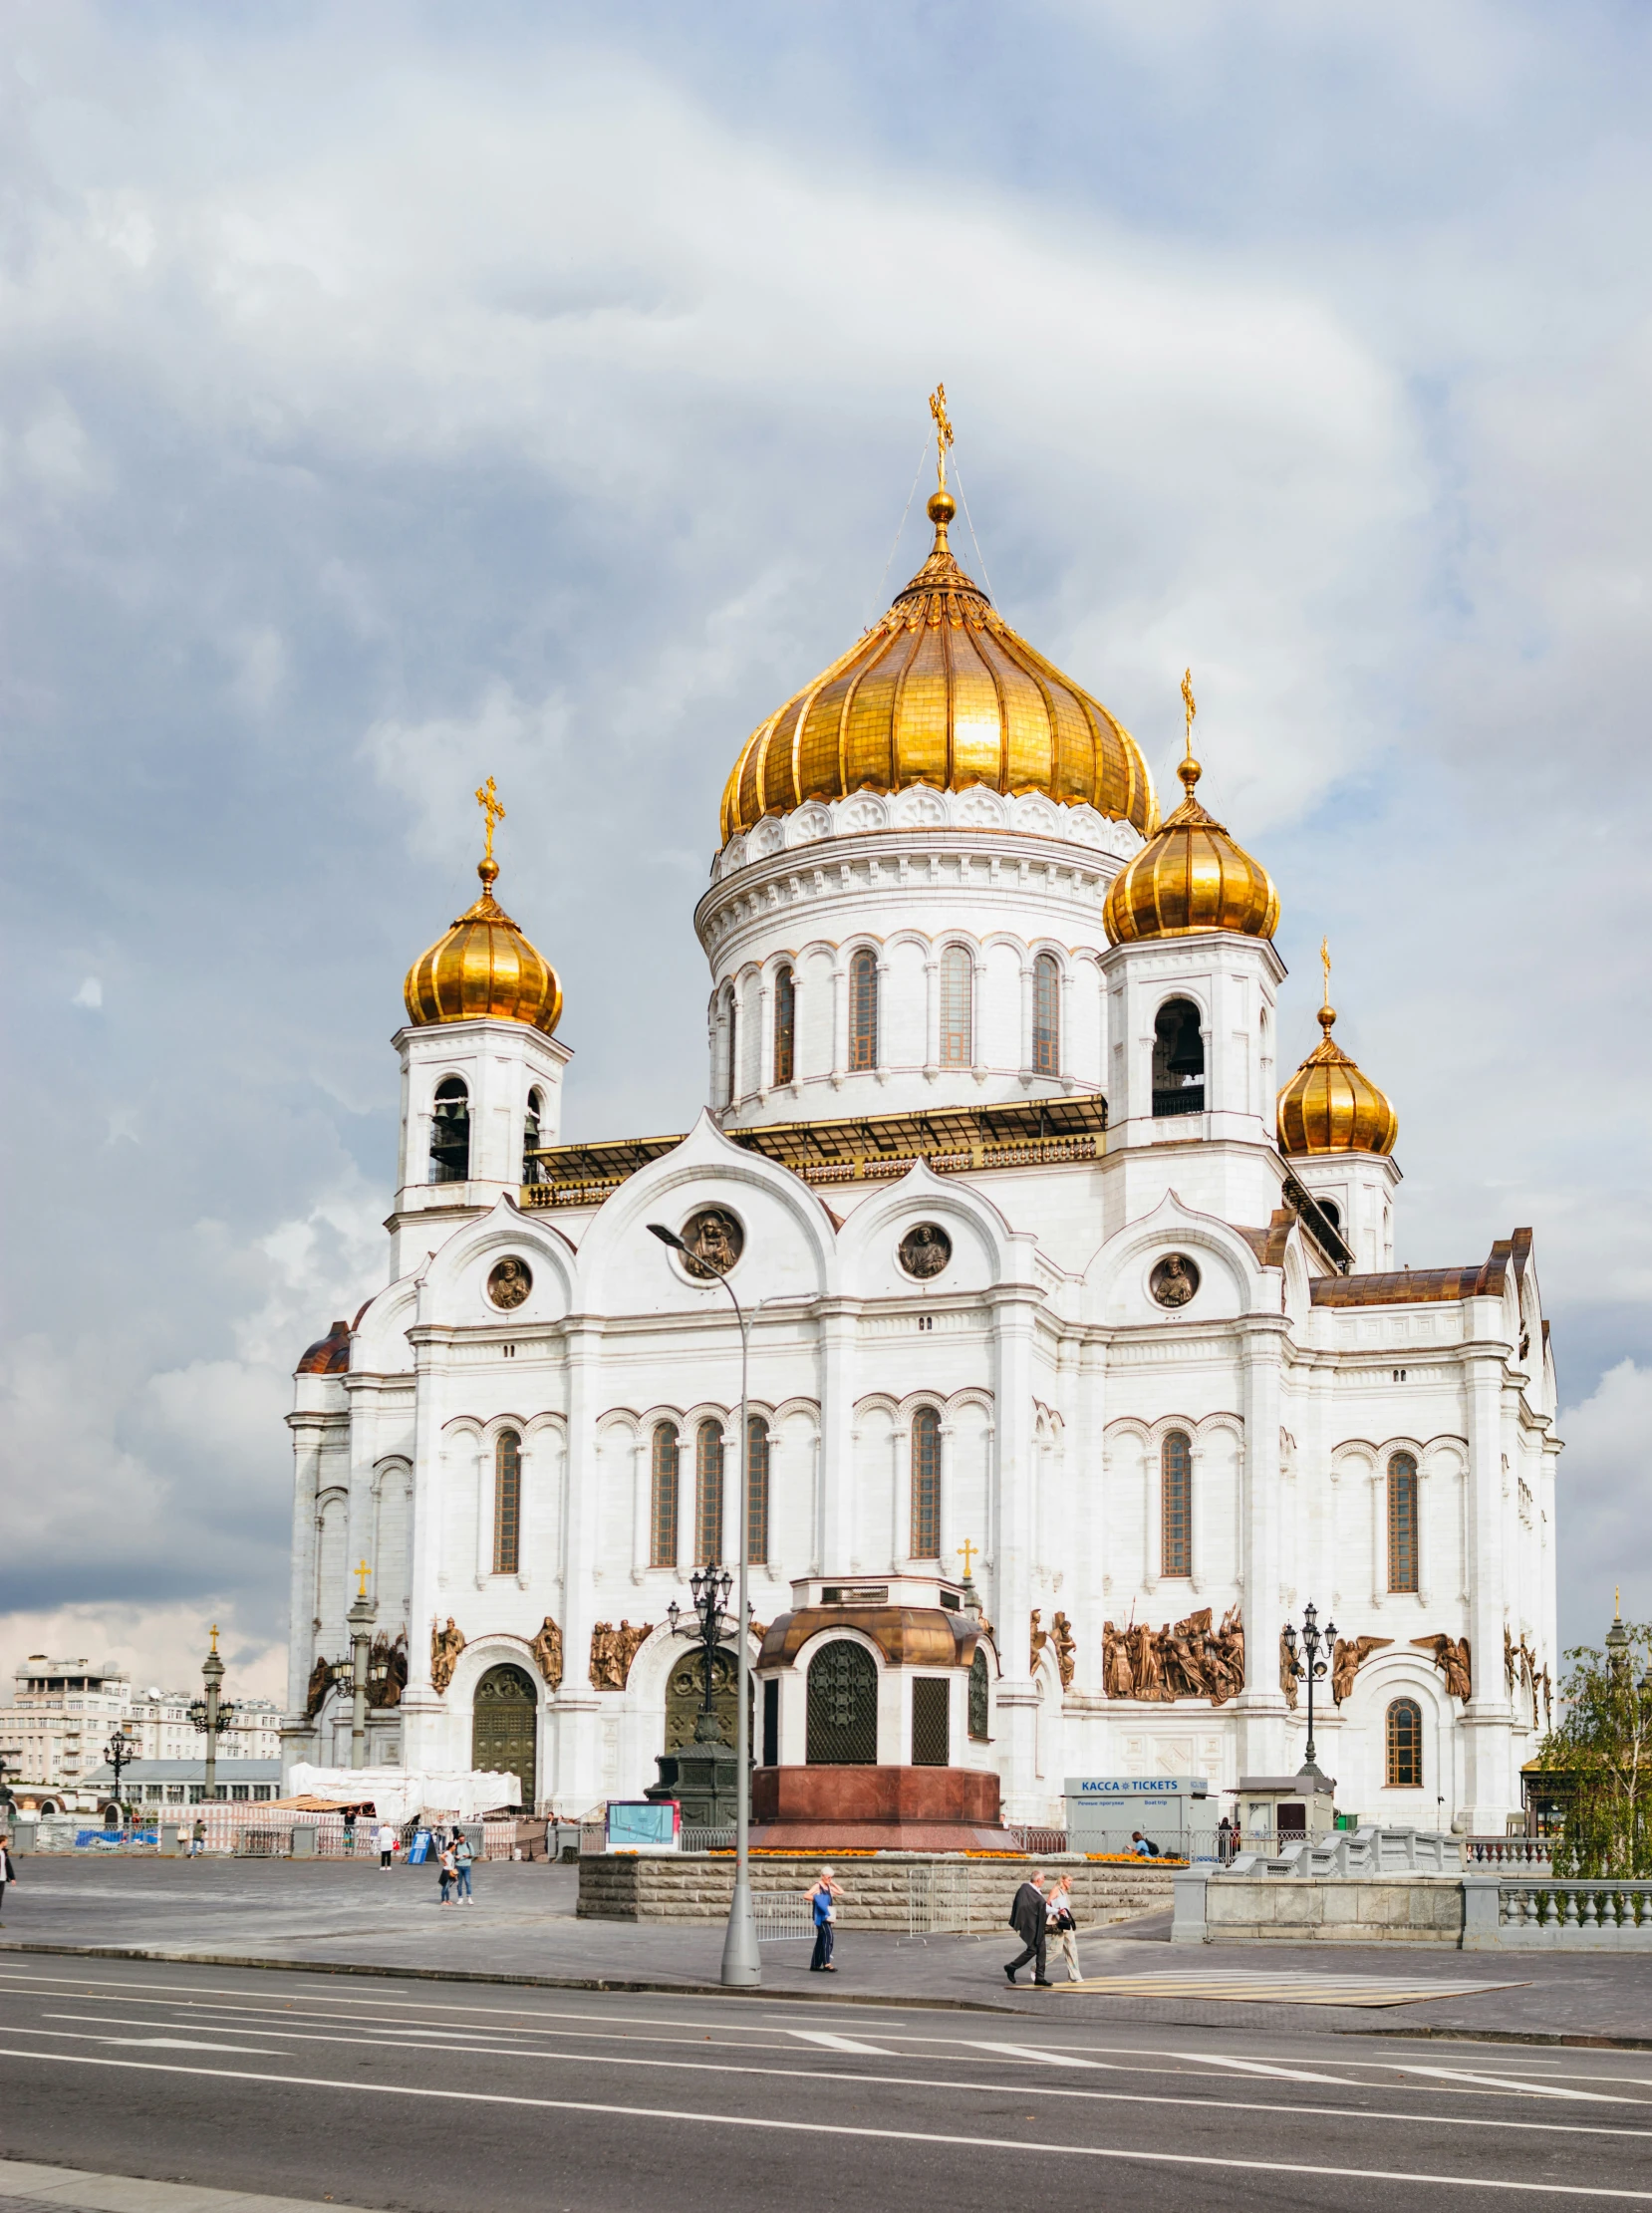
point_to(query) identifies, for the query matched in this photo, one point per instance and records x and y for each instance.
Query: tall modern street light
(1309, 1668)
(212, 1714)
(741, 1962)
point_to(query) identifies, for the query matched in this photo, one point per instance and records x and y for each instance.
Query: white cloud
(1605, 1503)
(91, 994)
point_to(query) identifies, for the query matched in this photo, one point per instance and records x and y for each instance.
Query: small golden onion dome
(1190, 876)
(1331, 1106)
(484, 966)
(940, 691)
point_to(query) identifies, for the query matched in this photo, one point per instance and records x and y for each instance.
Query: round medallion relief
(509, 1282)
(1174, 1280)
(925, 1250)
(715, 1239)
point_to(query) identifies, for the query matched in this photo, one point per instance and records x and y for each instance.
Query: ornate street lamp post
(120, 1751)
(363, 1614)
(1308, 1666)
(212, 1714)
(741, 1962)
(708, 1621)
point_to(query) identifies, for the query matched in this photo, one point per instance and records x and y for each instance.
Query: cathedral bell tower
(481, 1070)
(1192, 979)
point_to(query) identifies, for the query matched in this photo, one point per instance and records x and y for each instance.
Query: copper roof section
(329, 1355)
(906, 1636)
(1429, 1285)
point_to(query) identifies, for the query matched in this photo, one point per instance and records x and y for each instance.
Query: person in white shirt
(387, 1844)
(1063, 1927)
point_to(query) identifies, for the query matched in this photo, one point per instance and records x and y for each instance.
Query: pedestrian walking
(197, 1840)
(385, 1841)
(463, 1856)
(822, 1902)
(449, 1874)
(348, 1830)
(1030, 1918)
(1060, 1924)
(8, 1869)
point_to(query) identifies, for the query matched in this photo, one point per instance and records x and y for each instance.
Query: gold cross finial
(968, 1550)
(1192, 705)
(214, 1636)
(942, 432)
(361, 1580)
(1326, 963)
(487, 798)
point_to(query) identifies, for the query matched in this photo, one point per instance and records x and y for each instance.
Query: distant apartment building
(64, 1712)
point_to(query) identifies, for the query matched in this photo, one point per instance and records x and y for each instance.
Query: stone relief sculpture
(1347, 1658)
(547, 1650)
(1066, 1649)
(1287, 1671)
(1507, 1660)
(446, 1647)
(1041, 1637)
(1187, 1659)
(1452, 1659)
(321, 1681)
(613, 1650)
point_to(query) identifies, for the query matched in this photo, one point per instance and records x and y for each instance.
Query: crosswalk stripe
(1031, 2052)
(1518, 2082)
(1261, 2067)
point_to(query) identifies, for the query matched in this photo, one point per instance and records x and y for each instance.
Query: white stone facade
(1056, 1374)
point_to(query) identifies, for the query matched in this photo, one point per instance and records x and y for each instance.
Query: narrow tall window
(1178, 1059)
(785, 1026)
(1402, 1522)
(663, 1497)
(756, 1476)
(508, 1502)
(533, 1167)
(1176, 1505)
(863, 1010)
(957, 1013)
(1046, 1016)
(708, 1494)
(1403, 1733)
(451, 1133)
(732, 1068)
(925, 1483)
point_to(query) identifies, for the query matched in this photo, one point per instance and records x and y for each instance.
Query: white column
(837, 1339)
(641, 1502)
(1063, 1043)
(482, 1460)
(765, 1037)
(1485, 1725)
(575, 1735)
(1015, 1321)
(978, 1001)
(733, 1537)
(1379, 1536)
(900, 1477)
(932, 1015)
(524, 1508)
(1425, 1536)
(951, 1565)
(1026, 1018)
(1261, 1702)
(1153, 1521)
(840, 1020)
(424, 1714)
(880, 1058)
(1196, 1513)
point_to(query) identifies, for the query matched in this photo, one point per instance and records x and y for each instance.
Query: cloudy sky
(393, 395)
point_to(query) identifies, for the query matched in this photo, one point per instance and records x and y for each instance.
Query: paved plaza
(522, 1927)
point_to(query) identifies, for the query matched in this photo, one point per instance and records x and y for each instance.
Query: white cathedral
(1079, 1361)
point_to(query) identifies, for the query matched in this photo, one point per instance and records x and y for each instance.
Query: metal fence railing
(782, 1917)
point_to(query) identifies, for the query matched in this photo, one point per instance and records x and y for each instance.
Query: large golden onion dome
(1330, 1105)
(1193, 876)
(484, 965)
(940, 691)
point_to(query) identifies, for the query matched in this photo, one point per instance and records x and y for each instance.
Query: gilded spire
(484, 966)
(487, 798)
(1190, 770)
(1327, 1012)
(943, 434)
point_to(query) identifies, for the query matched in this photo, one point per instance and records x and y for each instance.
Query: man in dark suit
(1030, 1918)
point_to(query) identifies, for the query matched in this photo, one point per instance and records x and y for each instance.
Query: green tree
(1603, 1749)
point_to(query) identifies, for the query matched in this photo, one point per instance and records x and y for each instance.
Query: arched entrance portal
(504, 1727)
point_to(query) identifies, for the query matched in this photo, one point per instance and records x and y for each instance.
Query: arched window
(1176, 1505)
(1046, 1016)
(508, 1502)
(708, 1494)
(1404, 1744)
(533, 1169)
(979, 1708)
(731, 1044)
(1178, 1059)
(756, 1476)
(863, 1010)
(663, 1497)
(785, 1026)
(842, 1706)
(1332, 1212)
(1402, 1522)
(957, 1008)
(451, 1133)
(925, 1483)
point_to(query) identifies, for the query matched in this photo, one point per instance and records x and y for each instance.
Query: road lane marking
(840, 2043)
(189, 2043)
(1267, 2066)
(1022, 2148)
(1462, 2079)
(1030, 2051)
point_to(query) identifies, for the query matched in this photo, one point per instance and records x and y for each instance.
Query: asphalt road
(467, 2100)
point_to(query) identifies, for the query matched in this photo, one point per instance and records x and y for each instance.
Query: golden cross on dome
(942, 432)
(361, 1580)
(214, 1636)
(1326, 963)
(487, 798)
(1192, 705)
(968, 1550)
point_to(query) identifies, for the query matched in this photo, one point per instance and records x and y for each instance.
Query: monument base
(702, 1778)
(912, 1810)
